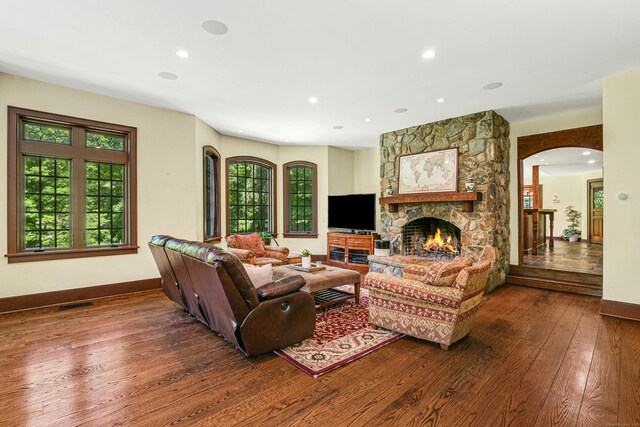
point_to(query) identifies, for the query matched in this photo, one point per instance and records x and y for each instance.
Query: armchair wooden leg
(372, 326)
(444, 346)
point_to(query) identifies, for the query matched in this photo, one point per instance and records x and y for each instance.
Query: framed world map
(432, 171)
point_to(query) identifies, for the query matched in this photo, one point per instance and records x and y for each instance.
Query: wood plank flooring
(534, 358)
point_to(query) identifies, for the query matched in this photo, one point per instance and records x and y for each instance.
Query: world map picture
(435, 171)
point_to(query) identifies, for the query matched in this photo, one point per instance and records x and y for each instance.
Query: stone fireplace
(431, 238)
(482, 140)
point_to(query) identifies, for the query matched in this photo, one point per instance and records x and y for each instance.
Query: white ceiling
(563, 162)
(360, 58)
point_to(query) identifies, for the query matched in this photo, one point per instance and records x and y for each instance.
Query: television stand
(349, 250)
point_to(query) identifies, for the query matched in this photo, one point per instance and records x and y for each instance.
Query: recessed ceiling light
(440, 100)
(492, 85)
(586, 153)
(215, 27)
(542, 160)
(338, 127)
(313, 100)
(286, 140)
(428, 54)
(182, 54)
(400, 110)
(591, 161)
(537, 155)
(368, 119)
(167, 75)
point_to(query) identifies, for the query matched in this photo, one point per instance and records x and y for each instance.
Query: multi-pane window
(47, 211)
(104, 184)
(300, 199)
(250, 195)
(71, 187)
(211, 183)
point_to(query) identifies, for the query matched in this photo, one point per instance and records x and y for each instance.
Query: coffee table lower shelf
(332, 296)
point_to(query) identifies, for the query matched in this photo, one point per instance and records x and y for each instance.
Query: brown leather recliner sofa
(212, 285)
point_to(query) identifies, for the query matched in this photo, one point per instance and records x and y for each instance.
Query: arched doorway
(528, 146)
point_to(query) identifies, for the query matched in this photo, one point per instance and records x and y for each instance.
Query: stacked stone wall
(482, 140)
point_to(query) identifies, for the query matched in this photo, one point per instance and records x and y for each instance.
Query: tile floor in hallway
(579, 257)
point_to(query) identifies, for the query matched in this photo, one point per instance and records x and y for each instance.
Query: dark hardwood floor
(535, 357)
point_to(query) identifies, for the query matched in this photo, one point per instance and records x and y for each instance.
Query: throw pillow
(259, 276)
(443, 273)
(252, 242)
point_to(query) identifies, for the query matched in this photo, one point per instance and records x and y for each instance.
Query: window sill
(300, 235)
(70, 253)
(213, 240)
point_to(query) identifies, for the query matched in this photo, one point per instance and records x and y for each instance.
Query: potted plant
(572, 232)
(266, 238)
(306, 258)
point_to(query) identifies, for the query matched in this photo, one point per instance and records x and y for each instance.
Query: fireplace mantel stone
(482, 140)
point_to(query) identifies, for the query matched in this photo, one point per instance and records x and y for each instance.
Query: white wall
(341, 165)
(573, 119)
(568, 189)
(621, 110)
(167, 194)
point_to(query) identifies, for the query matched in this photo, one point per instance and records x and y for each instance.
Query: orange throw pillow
(251, 242)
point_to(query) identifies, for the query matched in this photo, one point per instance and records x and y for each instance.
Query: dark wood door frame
(590, 183)
(584, 283)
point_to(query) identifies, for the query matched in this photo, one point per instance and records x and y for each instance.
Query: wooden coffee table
(320, 284)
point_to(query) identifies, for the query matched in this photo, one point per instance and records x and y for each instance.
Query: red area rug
(342, 334)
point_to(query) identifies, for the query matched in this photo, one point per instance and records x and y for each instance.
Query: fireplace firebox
(431, 238)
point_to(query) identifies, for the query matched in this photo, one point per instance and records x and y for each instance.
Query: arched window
(251, 195)
(300, 199)
(211, 189)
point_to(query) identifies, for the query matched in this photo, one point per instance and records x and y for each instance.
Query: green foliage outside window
(47, 205)
(104, 222)
(46, 133)
(249, 197)
(104, 141)
(300, 199)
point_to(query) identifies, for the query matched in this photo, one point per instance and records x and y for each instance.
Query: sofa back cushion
(251, 242)
(444, 273)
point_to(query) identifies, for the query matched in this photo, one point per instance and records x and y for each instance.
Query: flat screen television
(353, 212)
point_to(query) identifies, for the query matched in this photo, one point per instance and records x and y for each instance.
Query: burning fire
(437, 244)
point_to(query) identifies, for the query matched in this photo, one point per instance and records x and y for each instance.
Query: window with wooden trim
(211, 176)
(300, 199)
(71, 187)
(251, 195)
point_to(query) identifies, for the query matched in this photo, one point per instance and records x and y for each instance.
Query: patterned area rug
(342, 334)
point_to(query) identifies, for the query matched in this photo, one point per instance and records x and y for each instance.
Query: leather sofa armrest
(245, 255)
(284, 286)
(276, 252)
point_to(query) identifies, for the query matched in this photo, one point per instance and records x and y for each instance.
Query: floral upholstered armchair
(251, 250)
(437, 302)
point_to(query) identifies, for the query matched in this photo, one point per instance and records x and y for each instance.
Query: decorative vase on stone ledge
(469, 185)
(389, 191)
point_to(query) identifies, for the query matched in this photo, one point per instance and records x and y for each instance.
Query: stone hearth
(482, 140)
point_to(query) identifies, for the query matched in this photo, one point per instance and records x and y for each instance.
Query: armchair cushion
(444, 295)
(276, 252)
(245, 255)
(281, 287)
(444, 273)
(259, 275)
(252, 242)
